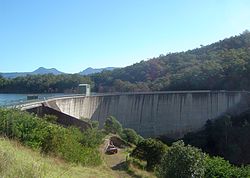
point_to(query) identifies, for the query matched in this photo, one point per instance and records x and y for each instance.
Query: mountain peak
(91, 70)
(43, 70)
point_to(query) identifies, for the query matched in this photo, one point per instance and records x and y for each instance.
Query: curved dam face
(171, 114)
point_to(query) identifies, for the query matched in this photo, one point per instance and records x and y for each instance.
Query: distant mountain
(40, 70)
(91, 70)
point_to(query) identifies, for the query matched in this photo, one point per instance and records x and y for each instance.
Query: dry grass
(18, 161)
(22, 162)
(118, 164)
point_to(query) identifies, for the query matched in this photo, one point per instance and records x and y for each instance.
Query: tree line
(224, 65)
(48, 83)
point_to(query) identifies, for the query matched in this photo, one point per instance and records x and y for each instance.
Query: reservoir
(11, 99)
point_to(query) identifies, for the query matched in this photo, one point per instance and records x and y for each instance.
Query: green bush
(23, 126)
(50, 118)
(136, 162)
(182, 162)
(68, 143)
(130, 136)
(217, 167)
(94, 124)
(92, 138)
(112, 125)
(151, 151)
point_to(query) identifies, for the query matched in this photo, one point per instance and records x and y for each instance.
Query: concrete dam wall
(171, 114)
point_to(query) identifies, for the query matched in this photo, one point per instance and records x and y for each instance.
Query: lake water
(8, 99)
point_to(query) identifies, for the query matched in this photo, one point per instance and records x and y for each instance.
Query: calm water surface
(8, 99)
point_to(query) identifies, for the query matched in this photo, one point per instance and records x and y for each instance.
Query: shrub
(92, 138)
(23, 126)
(130, 136)
(50, 118)
(150, 150)
(37, 133)
(182, 162)
(112, 125)
(217, 167)
(95, 124)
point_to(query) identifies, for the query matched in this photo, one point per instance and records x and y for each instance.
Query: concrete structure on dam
(152, 114)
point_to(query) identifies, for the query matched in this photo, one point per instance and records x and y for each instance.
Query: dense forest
(221, 65)
(47, 83)
(228, 136)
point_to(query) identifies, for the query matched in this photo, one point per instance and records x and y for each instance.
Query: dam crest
(151, 114)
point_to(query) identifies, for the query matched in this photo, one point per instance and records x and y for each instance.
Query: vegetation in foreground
(178, 160)
(54, 151)
(68, 143)
(187, 161)
(82, 148)
(19, 161)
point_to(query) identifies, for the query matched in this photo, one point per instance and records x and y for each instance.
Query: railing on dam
(20, 102)
(171, 113)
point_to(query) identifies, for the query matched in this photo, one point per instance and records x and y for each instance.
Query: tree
(182, 162)
(217, 167)
(94, 124)
(92, 137)
(130, 136)
(112, 125)
(150, 150)
(50, 118)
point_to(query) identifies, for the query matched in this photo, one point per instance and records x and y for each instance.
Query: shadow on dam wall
(152, 114)
(62, 118)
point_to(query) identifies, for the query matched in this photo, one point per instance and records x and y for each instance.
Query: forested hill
(224, 65)
(221, 65)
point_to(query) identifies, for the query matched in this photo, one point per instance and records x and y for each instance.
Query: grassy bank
(22, 162)
(51, 139)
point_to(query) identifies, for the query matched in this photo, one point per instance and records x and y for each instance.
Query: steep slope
(19, 161)
(221, 65)
(228, 137)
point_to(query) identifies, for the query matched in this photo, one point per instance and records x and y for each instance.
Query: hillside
(39, 147)
(224, 65)
(227, 137)
(221, 65)
(19, 161)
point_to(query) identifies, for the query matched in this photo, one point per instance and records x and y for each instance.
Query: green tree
(151, 151)
(182, 162)
(130, 135)
(50, 118)
(92, 137)
(112, 125)
(94, 124)
(217, 167)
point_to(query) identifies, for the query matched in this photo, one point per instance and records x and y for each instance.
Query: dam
(151, 114)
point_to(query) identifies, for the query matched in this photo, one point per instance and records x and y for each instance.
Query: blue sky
(72, 35)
